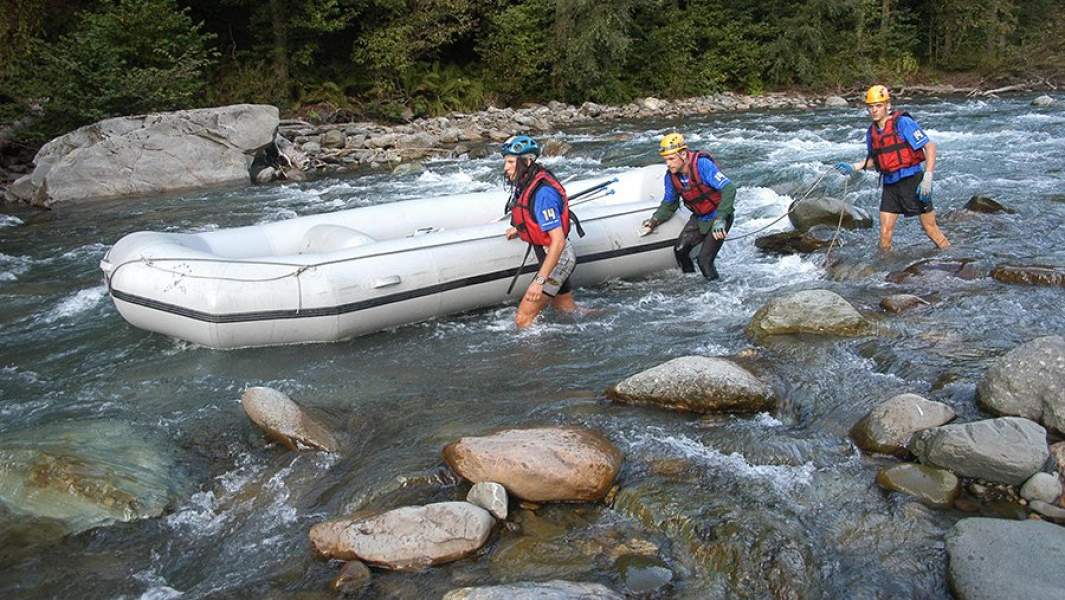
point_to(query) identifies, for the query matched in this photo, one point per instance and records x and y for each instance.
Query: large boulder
(1043, 275)
(888, 427)
(1029, 382)
(548, 590)
(411, 537)
(152, 154)
(1005, 450)
(993, 559)
(808, 212)
(809, 311)
(547, 464)
(700, 384)
(284, 421)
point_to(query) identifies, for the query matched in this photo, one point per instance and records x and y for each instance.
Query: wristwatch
(540, 279)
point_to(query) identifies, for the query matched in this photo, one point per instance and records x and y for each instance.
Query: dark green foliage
(131, 56)
(80, 60)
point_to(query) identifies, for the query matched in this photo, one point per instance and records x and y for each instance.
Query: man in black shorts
(896, 147)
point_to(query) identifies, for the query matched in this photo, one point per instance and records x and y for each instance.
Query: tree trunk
(885, 21)
(280, 48)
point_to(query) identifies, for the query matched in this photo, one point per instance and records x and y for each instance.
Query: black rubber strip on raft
(329, 311)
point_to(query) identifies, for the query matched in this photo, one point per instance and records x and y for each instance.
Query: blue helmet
(520, 145)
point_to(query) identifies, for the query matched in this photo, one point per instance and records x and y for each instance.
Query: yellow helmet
(877, 93)
(671, 144)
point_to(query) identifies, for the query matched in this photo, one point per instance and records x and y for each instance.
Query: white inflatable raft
(334, 276)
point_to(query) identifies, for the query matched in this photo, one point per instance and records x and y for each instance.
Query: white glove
(924, 190)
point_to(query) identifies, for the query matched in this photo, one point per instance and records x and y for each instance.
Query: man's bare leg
(887, 229)
(528, 311)
(564, 303)
(928, 222)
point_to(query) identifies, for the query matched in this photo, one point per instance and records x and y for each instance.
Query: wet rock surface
(549, 464)
(991, 559)
(936, 487)
(1042, 275)
(284, 421)
(411, 537)
(808, 212)
(796, 242)
(983, 204)
(698, 384)
(897, 303)
(935, 268)
(548, 590)
(888, 427)
(1029, 382)
(812, 311)
(1007, 450)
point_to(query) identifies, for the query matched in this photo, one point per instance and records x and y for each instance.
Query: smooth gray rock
(1005, 450)
(836, 101)
(1042, 486)
(1051, 511)
(490, 496)
(888, 427)
(995, 559)
(411, 537)
(1029, 382)
(700, 384)
(153, 153)
(548, 590)
(284, 421)
(808, 212)
(1043, 100)
(810, 311)
(333, 138)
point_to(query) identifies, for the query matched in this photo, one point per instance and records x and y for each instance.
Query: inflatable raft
(334, 276)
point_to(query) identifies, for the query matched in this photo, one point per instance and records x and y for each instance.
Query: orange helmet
(671, 144)
(877, 93)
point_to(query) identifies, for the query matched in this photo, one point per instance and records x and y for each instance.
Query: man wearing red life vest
(539, 215)
(693, 177)
(896, 147)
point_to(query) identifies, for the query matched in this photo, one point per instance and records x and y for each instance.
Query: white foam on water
(77, 303)
(280, 214)
(765, 419)
(10, 221)
(13, 266)
(88, 250)
(783, 478)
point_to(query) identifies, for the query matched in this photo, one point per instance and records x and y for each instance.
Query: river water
(774, 505)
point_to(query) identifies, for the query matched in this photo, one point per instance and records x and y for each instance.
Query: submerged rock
(810, 311)
(965, 268)
(937, 487)
(1029, 382)
(354, 577)
(547, 464)
(411, 537)
(548, 590)
(888, 427)
(1006, 450)
(86, 474)
(700, 384)
(284, 421)
(992, 559)
(983, 204)
(897, 303)
(806, 213)
(1043, 275)
(643, 574)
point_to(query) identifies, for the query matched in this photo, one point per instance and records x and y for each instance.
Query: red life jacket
(891, 151)
(521, 215)
(698, 196)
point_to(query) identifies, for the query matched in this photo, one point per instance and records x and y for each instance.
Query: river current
(774, 505)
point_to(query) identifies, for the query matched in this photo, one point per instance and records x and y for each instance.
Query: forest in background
(66, 63)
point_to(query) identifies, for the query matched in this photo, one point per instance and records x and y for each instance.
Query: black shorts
(901, 197)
